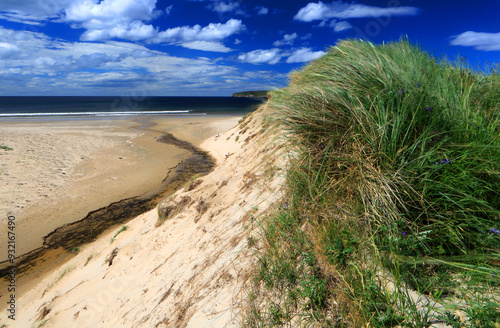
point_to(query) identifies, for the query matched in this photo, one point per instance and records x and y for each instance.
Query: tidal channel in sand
(59, 171)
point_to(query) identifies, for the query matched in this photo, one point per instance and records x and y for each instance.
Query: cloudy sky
(215, 47)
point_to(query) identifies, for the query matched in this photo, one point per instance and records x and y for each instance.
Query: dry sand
(190, 271)
(59, 171)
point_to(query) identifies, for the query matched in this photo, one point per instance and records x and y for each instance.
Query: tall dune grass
(398, 170)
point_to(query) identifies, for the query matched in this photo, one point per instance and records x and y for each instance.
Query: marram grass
(398, 170)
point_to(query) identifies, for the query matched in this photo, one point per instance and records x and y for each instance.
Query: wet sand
(57, 172)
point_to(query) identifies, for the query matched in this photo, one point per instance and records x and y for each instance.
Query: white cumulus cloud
(226, 7)
(32, 12)
(134, 31)
(338, 9)
(262, 10)
(109, 13)
(131, 20)
(58, 67)
(478, 40)
(23, 18)
(223, 7)
(211, 32)
(288, 39)
(340, 26)
(109, 19)
(8, 50)
(271, 56)
(168, 10)
(125, 19)
(304, 55)
(206, 46)
(274, 56)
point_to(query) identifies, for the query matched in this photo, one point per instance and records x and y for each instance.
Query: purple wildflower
(444, 161)
(418, 85)
(404, 233)
(495, 230)
(429, 108)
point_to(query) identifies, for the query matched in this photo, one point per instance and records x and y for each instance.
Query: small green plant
(43, 323)
(251, 241)
(161, 217)
(5, 148)
(88, 259)
(242, 119)
(193, 182)
(289, 266)
(61, 275)
(122, 229)
(479, 311)
(75, 250)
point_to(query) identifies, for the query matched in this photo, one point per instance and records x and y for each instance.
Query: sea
(60, 108)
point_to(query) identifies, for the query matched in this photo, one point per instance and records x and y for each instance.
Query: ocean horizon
(70, 107)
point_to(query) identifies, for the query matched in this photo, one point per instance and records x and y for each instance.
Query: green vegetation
(193, 182)
(394, 193)
(61, 275)
(122, 229)
(42, 323)
(5, 148)
(90, 257)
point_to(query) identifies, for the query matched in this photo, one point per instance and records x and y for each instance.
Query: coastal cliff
(188, 270)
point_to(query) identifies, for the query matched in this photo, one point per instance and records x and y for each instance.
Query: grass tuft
(6, 148)
(122, 229)
(394, 193)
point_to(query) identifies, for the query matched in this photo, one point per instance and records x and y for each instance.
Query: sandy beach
(190, 271)
(59, 171)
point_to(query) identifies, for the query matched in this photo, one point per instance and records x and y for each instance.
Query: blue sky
(215, 47)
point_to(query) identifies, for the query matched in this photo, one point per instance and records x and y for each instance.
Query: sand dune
(188, 272)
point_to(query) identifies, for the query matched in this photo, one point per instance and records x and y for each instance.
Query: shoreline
(204, 128)
(191, 269)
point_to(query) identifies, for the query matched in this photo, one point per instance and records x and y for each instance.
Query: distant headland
(262, 93)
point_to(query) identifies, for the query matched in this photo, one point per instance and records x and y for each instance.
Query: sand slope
(188, 272)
